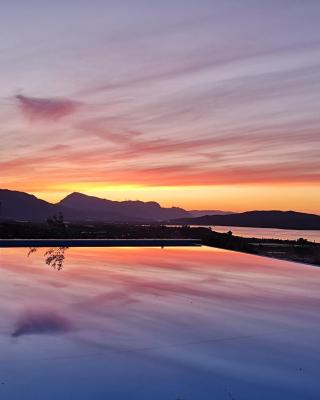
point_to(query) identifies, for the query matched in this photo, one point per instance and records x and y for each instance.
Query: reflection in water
(141, 323)
(44, 321)
(54, 257)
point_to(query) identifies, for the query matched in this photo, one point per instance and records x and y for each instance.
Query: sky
(203, 104)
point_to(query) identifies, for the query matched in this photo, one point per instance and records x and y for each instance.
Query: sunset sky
(194, 103)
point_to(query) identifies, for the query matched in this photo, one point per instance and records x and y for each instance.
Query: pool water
(191, 323)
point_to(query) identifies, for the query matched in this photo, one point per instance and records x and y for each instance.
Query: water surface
(270, 233)
(149, 323)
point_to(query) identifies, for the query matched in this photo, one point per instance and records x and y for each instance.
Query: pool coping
(5, 243)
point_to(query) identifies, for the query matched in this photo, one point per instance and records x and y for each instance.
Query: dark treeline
(55, 228)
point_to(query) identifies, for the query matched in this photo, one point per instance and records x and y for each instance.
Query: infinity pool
(191, 323)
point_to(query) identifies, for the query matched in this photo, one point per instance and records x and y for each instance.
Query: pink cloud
(46, 109)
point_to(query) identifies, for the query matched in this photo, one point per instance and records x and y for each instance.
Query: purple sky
(155, 97)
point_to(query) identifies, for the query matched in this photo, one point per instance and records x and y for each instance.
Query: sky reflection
(141, 323)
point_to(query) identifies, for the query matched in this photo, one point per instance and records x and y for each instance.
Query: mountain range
(258, 219)
(80, 207)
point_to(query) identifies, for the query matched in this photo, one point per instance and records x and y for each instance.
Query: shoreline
(107, 235)
(43, 243)
(291, 260)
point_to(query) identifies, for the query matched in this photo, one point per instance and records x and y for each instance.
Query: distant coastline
(258, 219)
(31, 234)
(78, 207)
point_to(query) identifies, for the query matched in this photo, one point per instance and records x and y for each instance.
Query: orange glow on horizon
(178, 104)
(304, 198)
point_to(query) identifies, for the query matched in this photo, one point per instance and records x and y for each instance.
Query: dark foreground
(295, 250)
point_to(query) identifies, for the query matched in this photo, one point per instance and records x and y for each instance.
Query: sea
(270, 233)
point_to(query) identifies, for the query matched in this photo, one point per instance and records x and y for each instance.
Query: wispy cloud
(174, 95)
(36, 108)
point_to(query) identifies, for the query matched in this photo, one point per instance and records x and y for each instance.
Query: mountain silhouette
(77, 206)
(122, 210)
(24, 206)
(80, 207)
(259, 219)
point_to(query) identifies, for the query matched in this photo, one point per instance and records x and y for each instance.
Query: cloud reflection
(39, 322)
(196, 315)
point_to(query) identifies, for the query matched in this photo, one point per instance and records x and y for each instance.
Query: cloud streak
(46, 108)
(165, 102)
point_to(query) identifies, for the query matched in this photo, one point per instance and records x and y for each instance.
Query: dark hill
(23, 206)
(79, 207)
(258, 219)
(95, 207)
